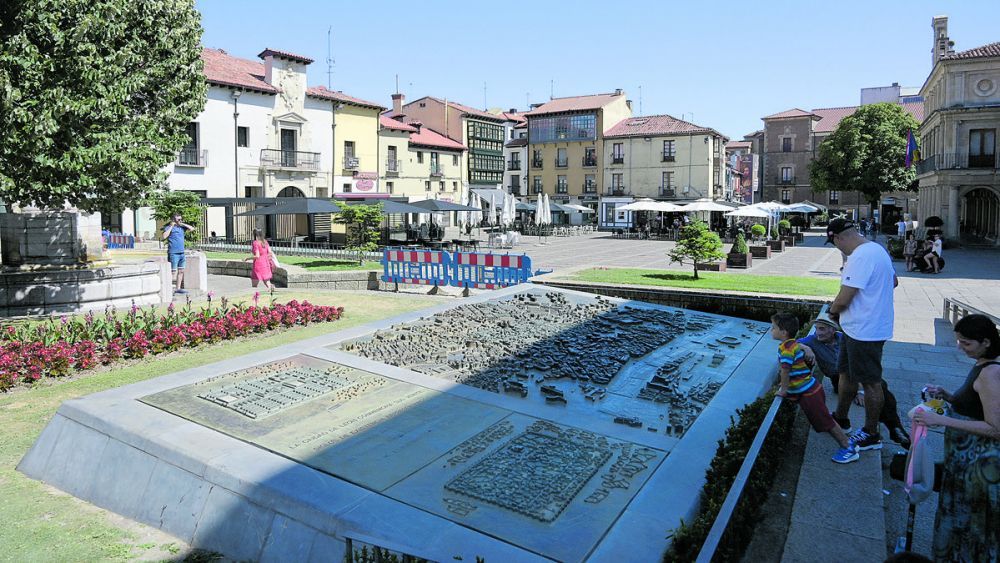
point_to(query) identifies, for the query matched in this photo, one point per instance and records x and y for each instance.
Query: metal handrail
(955, 310)
(298, 249)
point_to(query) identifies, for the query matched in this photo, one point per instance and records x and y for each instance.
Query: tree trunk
(695, 270)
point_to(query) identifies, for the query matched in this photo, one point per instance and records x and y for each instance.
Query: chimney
(416, 124)
(512, 110)
(269, 69)
(628, 104)
(942, 45)
(397, 103)
(618, 92)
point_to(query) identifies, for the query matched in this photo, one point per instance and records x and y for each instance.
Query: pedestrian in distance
(909, 251)
(798, 385)
(823, 351)
(864, 309)
(932, 258)
(901, 228)
(263, 260)
(967, 525)
(173, 233)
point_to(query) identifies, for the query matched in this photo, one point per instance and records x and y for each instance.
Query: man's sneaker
(846, 455)
(899, 435)
(865, 441)
(843, 423)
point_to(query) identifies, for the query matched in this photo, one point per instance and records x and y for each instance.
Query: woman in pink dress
(261, 260)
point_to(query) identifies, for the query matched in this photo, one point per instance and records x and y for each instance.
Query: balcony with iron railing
(617, 159)
(617, 190)
(513, 165)
(276, 158)
(352, 163)
(784, 181)
(959, 161)
(589, 188)
(589, 161)
(515, 189)
(536, 163)
(392, 167)
(192, 157)
(669, 157)
(668, 192)
(437, 169)
(562, 162)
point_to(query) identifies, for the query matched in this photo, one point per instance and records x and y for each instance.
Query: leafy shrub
(687, 539)
(188, 204)
(784, 226)
(895, 247)
(797, 221)
(697, 245)
(821, 219)
(740, 246)
(758, 231)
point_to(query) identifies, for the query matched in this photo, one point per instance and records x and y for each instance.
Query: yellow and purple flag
(912, 149)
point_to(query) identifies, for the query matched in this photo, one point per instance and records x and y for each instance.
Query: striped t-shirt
(800, 377)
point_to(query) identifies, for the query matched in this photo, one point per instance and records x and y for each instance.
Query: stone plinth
(53, 290)
(196, 271)
(50, 237)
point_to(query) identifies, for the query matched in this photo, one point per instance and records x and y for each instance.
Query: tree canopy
(187, 204)
(95, 96)
(362, 226)
(866, 153)
(697, 245)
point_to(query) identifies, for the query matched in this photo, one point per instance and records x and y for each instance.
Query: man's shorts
(177, 260)
(813, 405)
(861, 360)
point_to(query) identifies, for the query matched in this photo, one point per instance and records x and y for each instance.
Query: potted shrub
(739, 255)
(759, 250)
(785, 231)
(798, 222)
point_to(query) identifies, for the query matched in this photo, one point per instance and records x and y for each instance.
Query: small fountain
(54, 262)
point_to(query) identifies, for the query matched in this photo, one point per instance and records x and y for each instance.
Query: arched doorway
(287, 226)
(981, 216)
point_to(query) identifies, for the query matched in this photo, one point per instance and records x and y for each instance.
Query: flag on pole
(912, 149)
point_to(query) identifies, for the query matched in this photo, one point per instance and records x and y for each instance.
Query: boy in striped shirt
(799, 386)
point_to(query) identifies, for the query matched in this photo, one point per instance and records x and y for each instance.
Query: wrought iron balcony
(513, 165)
(437, 169)
(589, 161)
(669, 157)
(590, 188)
(787, 181)
(958, 161)
(192, 157)
(668, 191)
(562, 163)
(617, 159)
(515, 190)
(617, 190)
(275, 158)
(352, 163)
(536, 163)
(392, 166)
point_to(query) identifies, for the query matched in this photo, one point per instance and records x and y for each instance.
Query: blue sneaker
(846, 455)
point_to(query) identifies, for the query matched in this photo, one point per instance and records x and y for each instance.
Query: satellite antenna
(485, 105)
(552, 89)
(329, 59)
(640, 99)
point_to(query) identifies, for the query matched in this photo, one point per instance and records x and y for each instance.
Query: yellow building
(567, 154)
(355, 142)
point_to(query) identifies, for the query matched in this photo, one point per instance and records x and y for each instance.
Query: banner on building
(749, 184)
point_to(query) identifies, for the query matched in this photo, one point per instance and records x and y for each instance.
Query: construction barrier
(489, 271)
(422, 267)
(460, 269)
(117, 240)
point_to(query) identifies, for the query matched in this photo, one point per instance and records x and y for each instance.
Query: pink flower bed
(60, 347)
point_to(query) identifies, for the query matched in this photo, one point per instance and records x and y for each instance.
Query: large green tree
(696, 245)
(866, 153)
(95, 96)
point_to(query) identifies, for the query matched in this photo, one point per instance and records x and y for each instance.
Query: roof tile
(988, 50)
(650, 125)
(324, 93)
(428, 137)
(285, 54)
(574, 103)
(389, 123)
(794, 112)
(223, 69)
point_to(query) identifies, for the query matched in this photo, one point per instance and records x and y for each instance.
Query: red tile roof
(988, 50)
(794, 112)
(285, 54)
(831, 117)
(517, 143)
(428, 137)
(515, 116)
(223, 69)
(651, 125)
(389, 123)
(739, 145)
(574, 103)
(325, 94)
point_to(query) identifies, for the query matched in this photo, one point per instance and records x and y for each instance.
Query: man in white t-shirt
(864, 307)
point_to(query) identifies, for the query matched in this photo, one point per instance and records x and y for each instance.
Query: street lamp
(236, 141)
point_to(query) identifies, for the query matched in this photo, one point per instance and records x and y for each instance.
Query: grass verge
(42, 525)
(780, 285)
(311, 263)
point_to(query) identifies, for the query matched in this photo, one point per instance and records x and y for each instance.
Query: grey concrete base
(221, 493)
(54, 290)
(41, 236)
(296, 278)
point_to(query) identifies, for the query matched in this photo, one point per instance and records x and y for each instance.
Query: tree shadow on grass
(339, 264)
(670, 276)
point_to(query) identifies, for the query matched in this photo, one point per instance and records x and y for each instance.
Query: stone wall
(41, 292)
(353, 279)
(50, 237)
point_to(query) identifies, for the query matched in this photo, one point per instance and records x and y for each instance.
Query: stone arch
(291, 191)
(980, 214)
(289, 226)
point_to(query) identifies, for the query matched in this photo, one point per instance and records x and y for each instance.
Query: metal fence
(318, 249)
(955, 310)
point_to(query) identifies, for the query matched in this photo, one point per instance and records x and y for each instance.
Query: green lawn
(38, 525)
(311, 263)
(781, 285)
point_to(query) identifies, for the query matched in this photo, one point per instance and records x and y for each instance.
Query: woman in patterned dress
(967, 527)
(261, 260)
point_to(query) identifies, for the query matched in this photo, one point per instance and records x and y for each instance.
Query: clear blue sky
(727, 63)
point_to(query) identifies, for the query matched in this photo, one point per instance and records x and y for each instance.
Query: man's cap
(825, 318)
(836, 227)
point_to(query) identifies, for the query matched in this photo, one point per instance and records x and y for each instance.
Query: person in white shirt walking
(865, 310)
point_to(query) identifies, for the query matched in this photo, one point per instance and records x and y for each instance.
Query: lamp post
(236, 141)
